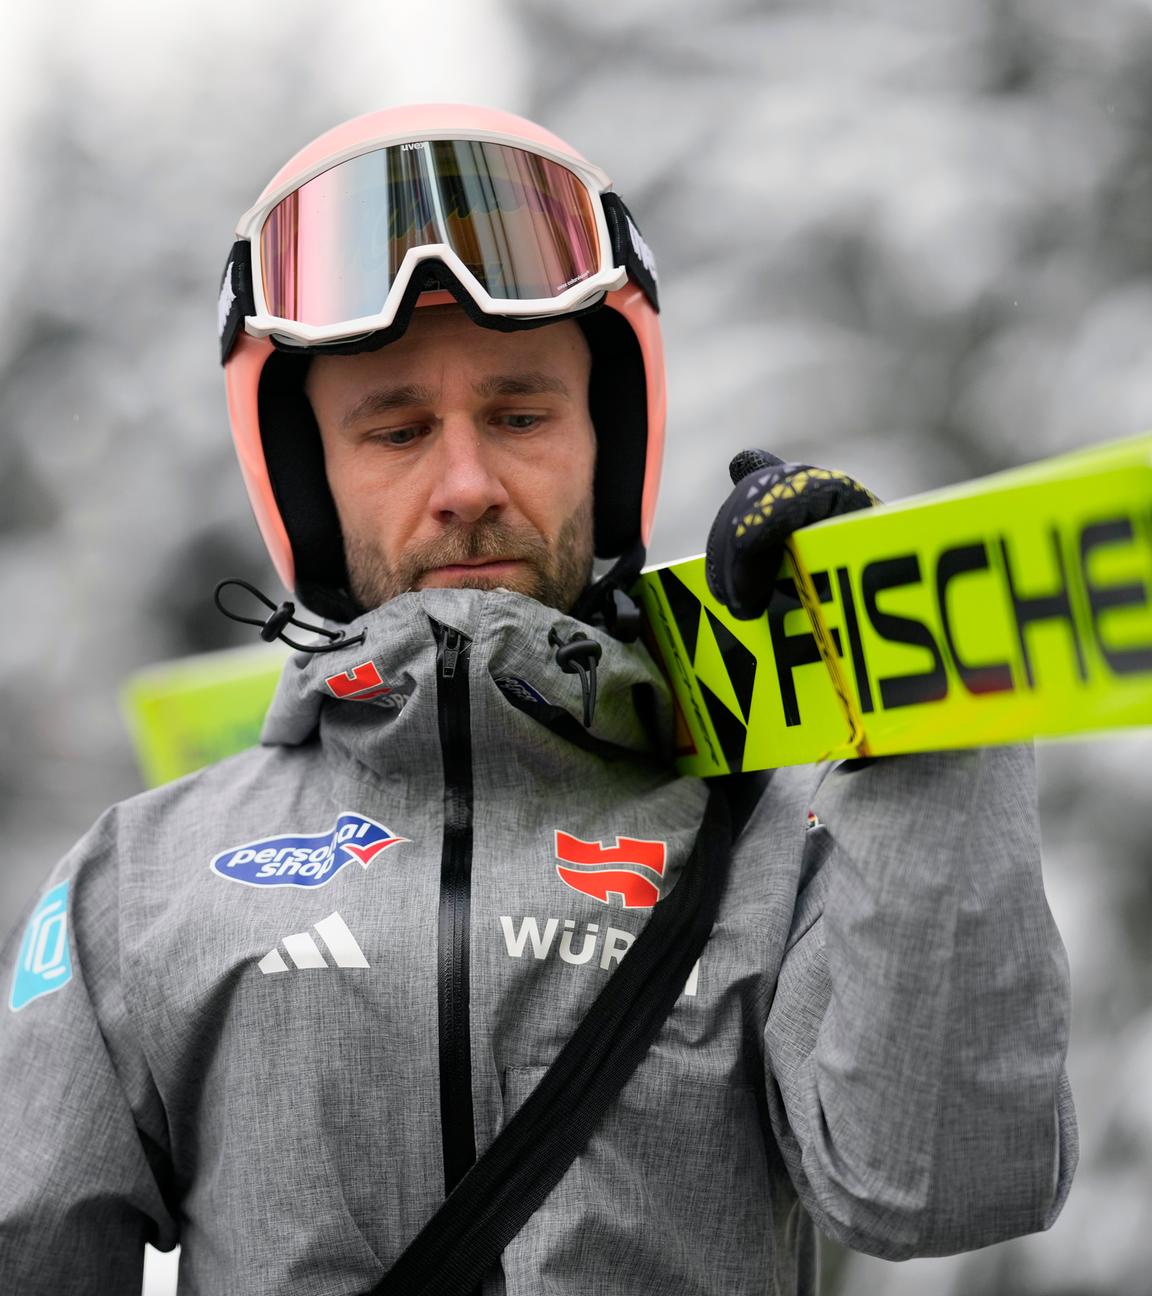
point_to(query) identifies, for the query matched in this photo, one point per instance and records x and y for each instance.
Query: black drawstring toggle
(272, 627)
(579, 657)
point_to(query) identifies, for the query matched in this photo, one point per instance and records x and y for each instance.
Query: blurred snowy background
(907, 238)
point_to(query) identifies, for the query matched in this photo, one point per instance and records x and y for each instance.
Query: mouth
(493, 568)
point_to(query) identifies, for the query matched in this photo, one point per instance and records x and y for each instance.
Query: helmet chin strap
(607, 602)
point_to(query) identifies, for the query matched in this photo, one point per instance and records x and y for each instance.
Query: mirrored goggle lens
(523, 225)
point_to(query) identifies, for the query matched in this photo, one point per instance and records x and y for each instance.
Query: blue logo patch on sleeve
(44, 963)
(305, 860)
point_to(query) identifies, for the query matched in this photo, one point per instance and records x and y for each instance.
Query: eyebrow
(387, 399)
(533, 383)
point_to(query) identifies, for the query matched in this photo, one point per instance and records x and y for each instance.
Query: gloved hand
(771, 499)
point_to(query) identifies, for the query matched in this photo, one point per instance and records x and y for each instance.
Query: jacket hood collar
(511, 664)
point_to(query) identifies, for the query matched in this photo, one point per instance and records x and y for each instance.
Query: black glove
(771, 499)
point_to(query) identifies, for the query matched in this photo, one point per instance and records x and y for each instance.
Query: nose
(467, 482)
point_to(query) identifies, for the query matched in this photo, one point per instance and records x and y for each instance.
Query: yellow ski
(1013, 607)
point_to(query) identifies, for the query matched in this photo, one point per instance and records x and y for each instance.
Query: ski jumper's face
(461, 456)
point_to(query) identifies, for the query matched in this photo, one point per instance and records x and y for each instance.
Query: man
(276, 1010)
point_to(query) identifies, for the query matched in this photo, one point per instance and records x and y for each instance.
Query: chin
(527, 586)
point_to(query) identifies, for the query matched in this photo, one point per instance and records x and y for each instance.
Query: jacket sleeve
(79, 1192)
(916, 1040)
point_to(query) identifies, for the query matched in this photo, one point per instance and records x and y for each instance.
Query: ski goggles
(515, 232)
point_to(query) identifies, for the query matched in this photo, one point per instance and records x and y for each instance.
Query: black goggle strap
(237, 299)
(629, 248)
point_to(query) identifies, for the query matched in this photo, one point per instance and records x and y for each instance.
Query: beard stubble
(554, 574)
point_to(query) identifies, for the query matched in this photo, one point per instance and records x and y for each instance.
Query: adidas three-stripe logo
(305, 953)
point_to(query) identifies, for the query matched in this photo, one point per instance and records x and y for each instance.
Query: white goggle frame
(607, 278)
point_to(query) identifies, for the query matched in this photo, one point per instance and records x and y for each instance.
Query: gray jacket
(270, 1010)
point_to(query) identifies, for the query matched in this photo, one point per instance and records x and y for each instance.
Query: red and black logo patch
(631, 870)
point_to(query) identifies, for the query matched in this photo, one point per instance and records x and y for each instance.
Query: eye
(399, 437)
(522, 422)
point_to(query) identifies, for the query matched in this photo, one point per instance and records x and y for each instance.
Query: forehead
(443, 340)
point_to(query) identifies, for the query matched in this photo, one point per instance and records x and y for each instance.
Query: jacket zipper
(454, 714)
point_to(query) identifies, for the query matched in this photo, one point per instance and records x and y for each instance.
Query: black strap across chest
(531, 1154)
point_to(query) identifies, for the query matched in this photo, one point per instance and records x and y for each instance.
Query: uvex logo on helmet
(642, 250)
(630, 870)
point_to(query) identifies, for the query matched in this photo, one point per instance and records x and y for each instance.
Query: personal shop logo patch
(306, 859)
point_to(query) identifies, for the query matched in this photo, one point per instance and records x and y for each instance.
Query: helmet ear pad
(618, 404)
(294, 454)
